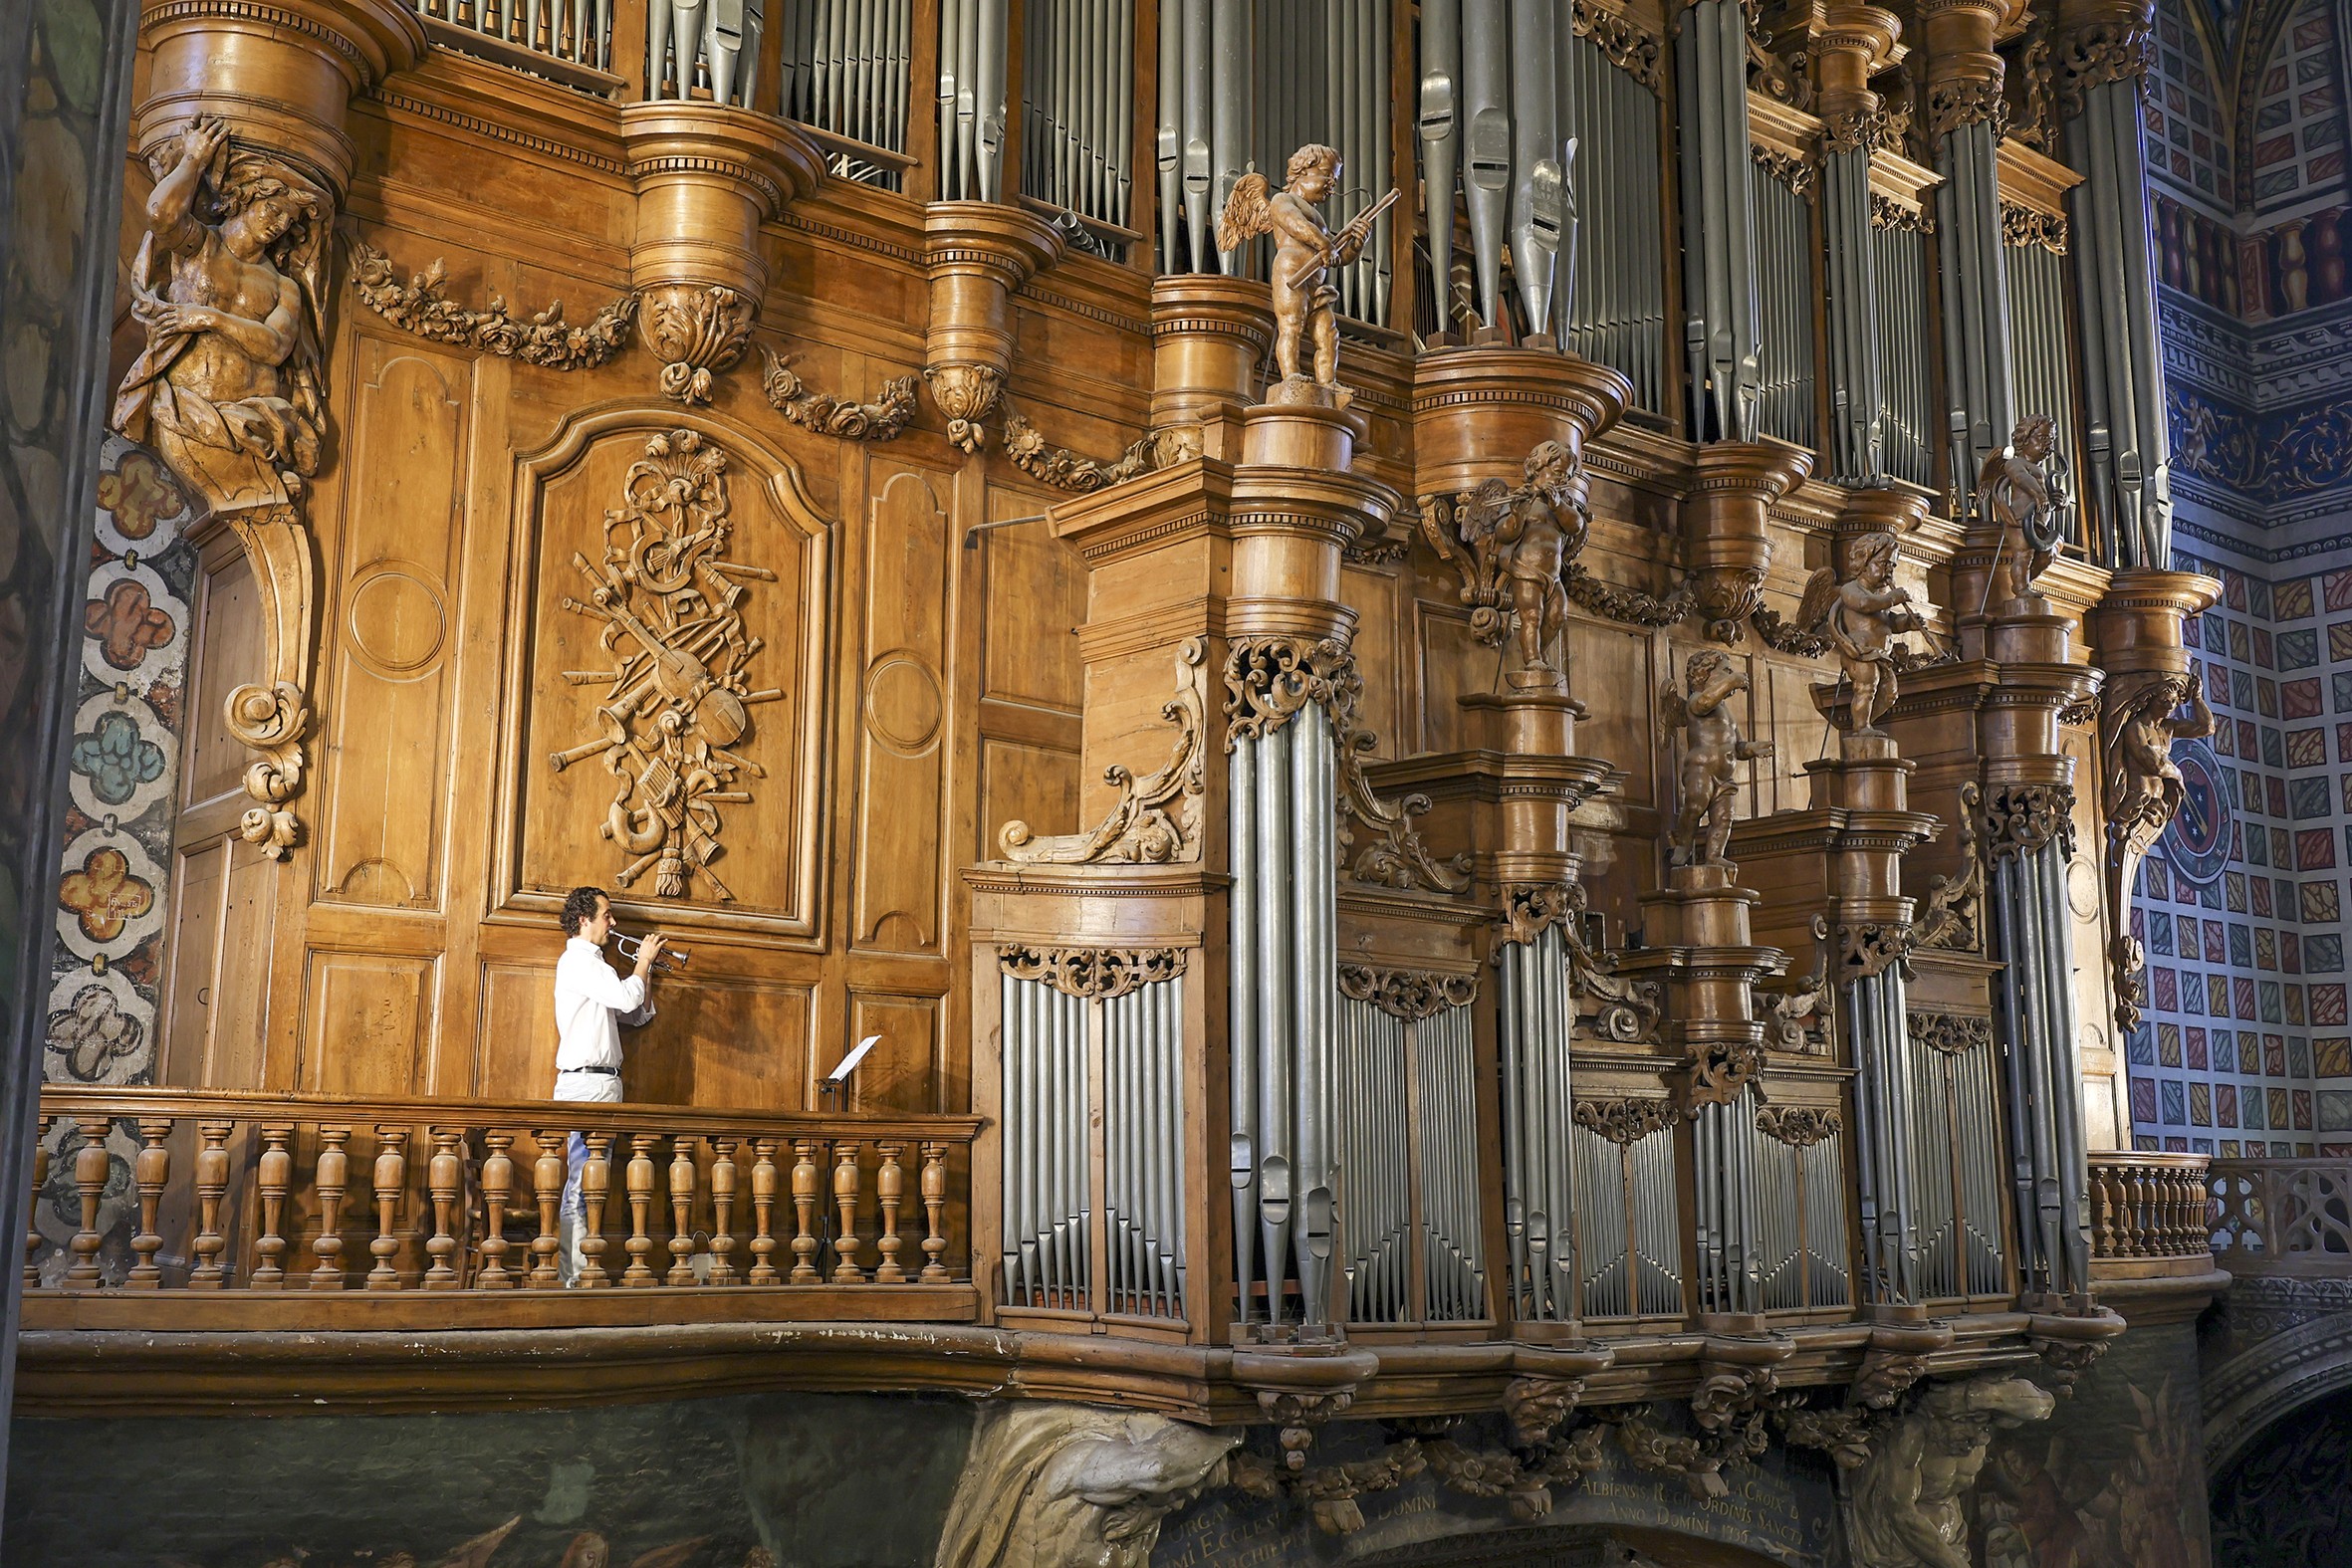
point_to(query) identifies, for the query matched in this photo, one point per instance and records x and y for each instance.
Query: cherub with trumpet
(1306, 249)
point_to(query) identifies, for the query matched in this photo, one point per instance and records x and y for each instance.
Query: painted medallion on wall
(2198, 842)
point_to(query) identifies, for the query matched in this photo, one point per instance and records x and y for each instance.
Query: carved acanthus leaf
(677, 703)
(1966, 101)
(2090, 57)
(1610, 1006)
(1952, 918)
(1728, 1411)
(1630, 605)
(1799, 1126)
(1067, 470)
(881, 420)
(1330, 1490)
(967, 394)
(1797, 1022)
(1627, 46)
(1794, 172)
(2022, 818)
(1888, 213)
(2023, 225)
(1627, 1120)
(1093, 972)
(696, 334)
(1866, 950)
(422, 306)
(1407, 993)
(1718, 1073)
(1267, 680)
(1950, 1032)
(1529, 907)
(1157, 819)
(1854, 130)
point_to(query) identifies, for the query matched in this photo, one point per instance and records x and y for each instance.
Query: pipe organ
(1396, 814)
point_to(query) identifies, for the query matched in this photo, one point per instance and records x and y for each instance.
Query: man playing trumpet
(593, 1006)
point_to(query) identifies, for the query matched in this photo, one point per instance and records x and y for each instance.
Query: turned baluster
(273, 1176)
(33, 1208)
(92, 1165)
(764, 1211)
(498, 1184)
(2143, 1214)
(934, 1203)
(2181, 1191)
(444, 1179)
(212, 1184)
(2112, 1228)
(152, 1173)
(547, 1189)
(722, 1210)
(641, 1189)
(804, 1212)
(848, 1180)
(682, 1212)
(888, 1184)
(334, 1169)
(2119, 1199)
(391, 1178)
(595, 1183)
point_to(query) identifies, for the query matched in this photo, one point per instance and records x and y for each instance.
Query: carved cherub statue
(2144, 785)
(1511, 547)
(2022, 490)
(1702, 711)
(1304, 251)
(227, 285)
(1861, 617)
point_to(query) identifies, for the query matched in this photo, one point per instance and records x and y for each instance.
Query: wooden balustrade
(2282, 1216)
(2145, 1206)
(266, 1195)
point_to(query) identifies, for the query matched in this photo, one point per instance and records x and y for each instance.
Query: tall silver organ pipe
(713, 44)
(1721, 331)
(2041, 361)
(1614, 310)
(1723, 1204)
(1858, 386)
(1231, 71)
(1285, 956)
(1898, 259)
(1979, 394)
(2123, 372)
(1441, 140)
(973, 40)
(2035, 996)
(1079, 88)
(847, 67)
(1785, 379)
(1885, 1120)
(1496, 101)
(1048, 1190)
(1533, 1018)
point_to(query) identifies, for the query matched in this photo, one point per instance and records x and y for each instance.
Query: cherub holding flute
(1306, 249)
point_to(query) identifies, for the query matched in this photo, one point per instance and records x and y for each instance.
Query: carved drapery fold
(1407, 993)
(422, 306)
(1093, 972)
(1157, 819)
(878, 420)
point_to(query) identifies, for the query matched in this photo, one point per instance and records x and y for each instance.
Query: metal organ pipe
(1441, 137)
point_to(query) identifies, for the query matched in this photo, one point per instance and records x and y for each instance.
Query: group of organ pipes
(1314, 1036)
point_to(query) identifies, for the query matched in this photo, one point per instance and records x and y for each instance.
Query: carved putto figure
(1702, 710)
(2022, 491)
(1306, 249)
(227, 285)
(1513, 548)
(1861, 617)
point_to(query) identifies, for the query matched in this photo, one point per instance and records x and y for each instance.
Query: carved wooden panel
(367, 1025)
(722, 1042)
(1373, 595)
(1036, 599)
(515, 1048)
(391, 631)
(1612, 671)
(1023, 781)
(1798, 732)
(216, 998)
(903, 1071)
(704, 658)
(1451, 662)
(227, 651)
(902, 709)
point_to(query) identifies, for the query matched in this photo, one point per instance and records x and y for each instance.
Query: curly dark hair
(580, 907)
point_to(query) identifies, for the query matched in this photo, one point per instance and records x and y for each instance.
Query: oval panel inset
(397, 621)
(904, 704)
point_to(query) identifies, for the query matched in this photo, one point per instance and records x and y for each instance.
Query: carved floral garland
(879, 420)
(421, 306)
(1410, 994)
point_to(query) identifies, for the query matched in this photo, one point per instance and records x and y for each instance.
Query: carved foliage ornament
(1625, 44)
(1794, 172)
(228, 286)
(1864, 951)
(1093, 972)
(879, 420)
(1525, 1478)
(1728, 1411)
(2102, 52)
(696, 334)
(1268, 679)
(1628, 605)
(967, 394)
(1718, 1071)
(1627, 1120)
(421, 306)
(1799, 1126)
(2022, 818)
(2023, 225)
(1407, 993)
(1612, 1006)
(1953, 917)
(1953, 1033)
(1157, 819)
(1063, 469)
(1968, 101)
(676, 706)
(1888, 213)
(1330, 1490)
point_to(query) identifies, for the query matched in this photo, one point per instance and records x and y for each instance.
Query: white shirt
(592, 1003)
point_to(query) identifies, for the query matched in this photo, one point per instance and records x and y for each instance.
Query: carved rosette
(1406, 993)
(422, 307)
(1093, 972)
(977, 254)
(1627, 1120)
(879, 420)
(1157, 819)
(706, 178)
(2020, 819)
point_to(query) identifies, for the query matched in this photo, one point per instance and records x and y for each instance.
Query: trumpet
(629, 947)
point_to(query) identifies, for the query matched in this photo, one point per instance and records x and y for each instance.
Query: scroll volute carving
(706, 177)
(978, 255)
(1725, 521)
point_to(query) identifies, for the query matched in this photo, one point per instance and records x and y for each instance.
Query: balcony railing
(144, 1196)
(2282, 1216)
(2149, 1213)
